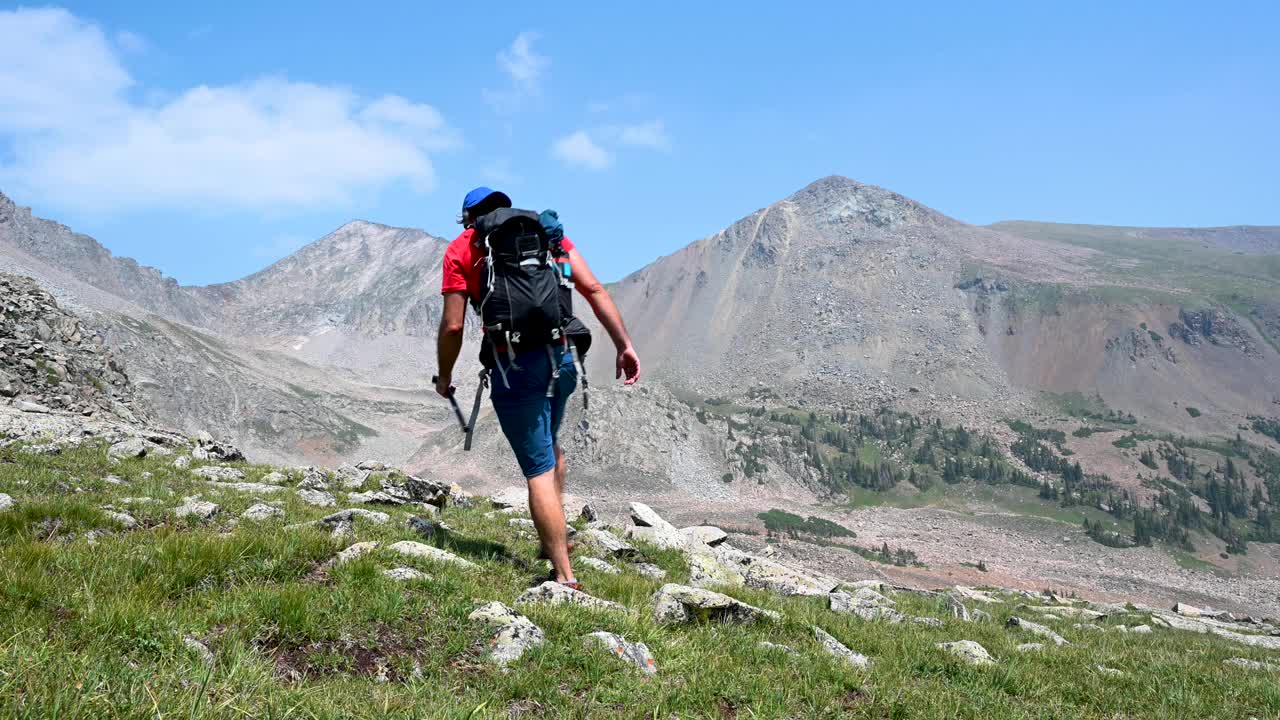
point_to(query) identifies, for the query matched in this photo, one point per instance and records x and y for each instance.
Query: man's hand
(444, 385)
(629, 365)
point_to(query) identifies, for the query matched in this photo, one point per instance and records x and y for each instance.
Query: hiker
(533, 368)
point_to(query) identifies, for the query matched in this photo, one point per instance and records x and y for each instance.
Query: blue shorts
(530, 419)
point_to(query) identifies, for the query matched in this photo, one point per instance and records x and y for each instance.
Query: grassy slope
(91, 631)
(1182, 265)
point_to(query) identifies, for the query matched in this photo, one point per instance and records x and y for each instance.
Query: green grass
(96, 630)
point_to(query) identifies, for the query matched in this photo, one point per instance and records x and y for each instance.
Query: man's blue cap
(480, 194)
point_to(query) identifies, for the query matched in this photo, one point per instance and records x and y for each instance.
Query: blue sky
(210, 141)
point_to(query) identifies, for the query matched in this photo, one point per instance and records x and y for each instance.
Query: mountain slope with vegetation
(124, 595)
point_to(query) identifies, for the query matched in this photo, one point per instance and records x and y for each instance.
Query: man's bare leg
(548, 517)
(560, 473)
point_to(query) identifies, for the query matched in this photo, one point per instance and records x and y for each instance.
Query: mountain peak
(841, 199)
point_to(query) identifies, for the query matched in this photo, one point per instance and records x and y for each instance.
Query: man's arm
(607, 313)
(449, 340)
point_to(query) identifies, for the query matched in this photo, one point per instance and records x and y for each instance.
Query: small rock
(371, 466)
(929, 622)
(200, 649)
(317, 498)
(838, 650)
(554, 593)
(525, 523)
(644, 516)
(599, 565)
(1187, 610)
(1109, 671)
(1247, 664)
(404, 574)
(957, 608)
(182, 462)
(969, 593)
(774, 647)
(201, 509)
(609, 543)
(353, 514)
(375, 497)
(260, 511)
(429, 529)
(1037, 629)
(588, 513)
(426, 552)
(636, 654)
(218, 473)
(516, 634)
(125, 520)
(273, 478)
(1141, 630)
(248, 487)
(354, 551)
(968, 651)
(6, 502)
(650, 570)
(979, 615)
(30, 407)
(113, 480)
(1030, 647)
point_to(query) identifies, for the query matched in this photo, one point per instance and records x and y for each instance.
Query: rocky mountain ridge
(50, 359)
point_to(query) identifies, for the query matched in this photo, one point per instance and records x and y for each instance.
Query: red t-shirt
(462, 265)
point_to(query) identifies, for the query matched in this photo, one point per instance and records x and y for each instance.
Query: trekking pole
(457, 411)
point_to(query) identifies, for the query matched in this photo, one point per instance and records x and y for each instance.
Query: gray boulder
(957, 608)
(130, 448)
(609, 544)
(218, 472)
(599, 565)
(514, 634)
(6, 502)
(426, 552)
(1037, 629)
(667, 539)
(650, 570)
(636, 654)
(200, 509)
(553, 593)
(644, 516)
(680, 604)
(353, 514)
(404, 574)
(354, 551)
(968, 651)
(769, 575)
(317, 498)
(705, 534)
(838, 650)
(261, 511)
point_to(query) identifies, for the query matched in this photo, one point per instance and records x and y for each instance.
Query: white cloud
(650, 135)
(522, 64)
(594, 149)
(578, 149)
(524, 69)
(80, 139)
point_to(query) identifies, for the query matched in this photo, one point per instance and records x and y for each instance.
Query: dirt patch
(728, 711)
(386, 654)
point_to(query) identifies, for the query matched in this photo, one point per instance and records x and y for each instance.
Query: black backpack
(521, 285)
